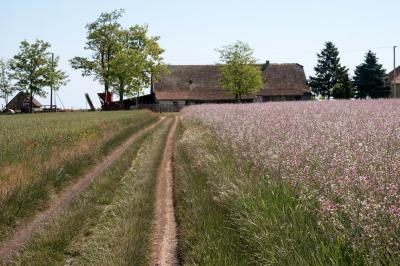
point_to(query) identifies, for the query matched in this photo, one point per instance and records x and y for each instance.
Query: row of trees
(124, 60)
(240, 76)
(332, 79)
(31, 70)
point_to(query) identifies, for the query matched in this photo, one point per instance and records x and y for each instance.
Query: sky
(285, 31)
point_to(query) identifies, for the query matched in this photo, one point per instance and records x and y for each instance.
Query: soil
(164, 246)
(60, 203)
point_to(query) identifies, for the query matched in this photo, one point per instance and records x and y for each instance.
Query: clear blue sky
(282, 31)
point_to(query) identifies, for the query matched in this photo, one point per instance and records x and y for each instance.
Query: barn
(192, 84)
(21, 103)
(394, 79)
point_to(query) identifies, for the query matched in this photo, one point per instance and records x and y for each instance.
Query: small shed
(21, 103)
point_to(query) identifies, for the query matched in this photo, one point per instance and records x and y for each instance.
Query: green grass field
(42, 153)
(111, 222)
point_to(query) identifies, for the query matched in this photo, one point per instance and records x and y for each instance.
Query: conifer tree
(370, 78)
(329, 72)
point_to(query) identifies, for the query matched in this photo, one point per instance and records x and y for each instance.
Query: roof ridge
(192, 64)
(397, 71)
(217, 64)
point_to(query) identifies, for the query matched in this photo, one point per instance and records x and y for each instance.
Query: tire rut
(164, 245)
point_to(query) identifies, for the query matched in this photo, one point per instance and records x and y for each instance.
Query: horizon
(190, 32)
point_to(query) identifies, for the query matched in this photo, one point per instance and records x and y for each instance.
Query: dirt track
(9, 247)
(164, 247)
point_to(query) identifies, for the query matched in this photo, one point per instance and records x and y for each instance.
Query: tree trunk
(106, 86)
(108, 68)
(103, 67)
(31, 101)
(121, 95)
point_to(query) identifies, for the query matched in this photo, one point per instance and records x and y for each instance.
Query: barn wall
(397, 91)
(179, 102)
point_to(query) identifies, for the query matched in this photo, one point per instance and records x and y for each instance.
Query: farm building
(394, 81)
(21, 103)
(190, 84)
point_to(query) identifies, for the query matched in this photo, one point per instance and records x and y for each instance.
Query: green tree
(340, 91)
(344, 88)
(56, 77)
(32, 69)
(329, 72)
(6, 88)
(370, 78)
(239, 74)
(138, 59)
(102, 41)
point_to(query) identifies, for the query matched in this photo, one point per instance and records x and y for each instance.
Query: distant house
(394, 81)
(21, 103)
(191, 84)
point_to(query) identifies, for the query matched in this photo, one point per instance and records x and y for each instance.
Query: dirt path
(9, 247)
(164, 247)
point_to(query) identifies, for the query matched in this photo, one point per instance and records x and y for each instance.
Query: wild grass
(40, 154)
(300, 183)
(111, 222)
(205, 235)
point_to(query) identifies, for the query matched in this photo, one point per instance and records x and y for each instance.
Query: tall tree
(240, 76)
(138, 59)
(6, 88)
(102, 41)
(329, 72)
(370, 78)
(32, 69)
(344, 88)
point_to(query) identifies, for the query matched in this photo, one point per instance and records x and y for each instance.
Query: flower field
(341, 159)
